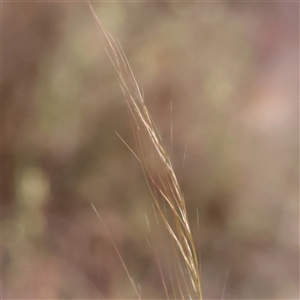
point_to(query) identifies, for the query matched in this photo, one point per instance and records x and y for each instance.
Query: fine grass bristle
(158, 170)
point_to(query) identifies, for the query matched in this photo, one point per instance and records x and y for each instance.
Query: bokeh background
(222, 83)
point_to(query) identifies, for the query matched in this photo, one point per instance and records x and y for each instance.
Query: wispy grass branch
(157, 167)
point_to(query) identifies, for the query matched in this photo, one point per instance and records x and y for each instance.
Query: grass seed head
(158, 169)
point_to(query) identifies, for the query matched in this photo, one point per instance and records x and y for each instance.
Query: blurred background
(222, 83)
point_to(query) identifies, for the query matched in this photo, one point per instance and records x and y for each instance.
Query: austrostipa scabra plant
(159, 173)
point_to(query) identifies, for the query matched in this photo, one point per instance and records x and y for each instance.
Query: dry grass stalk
(157, 167)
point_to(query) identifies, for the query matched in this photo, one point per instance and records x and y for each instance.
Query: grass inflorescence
(159, 173)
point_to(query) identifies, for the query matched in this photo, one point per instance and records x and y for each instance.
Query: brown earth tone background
(230, 72)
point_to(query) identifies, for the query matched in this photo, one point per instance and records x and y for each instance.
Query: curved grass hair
(158, 170)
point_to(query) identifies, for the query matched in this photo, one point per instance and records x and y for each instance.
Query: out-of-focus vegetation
(230, 72)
